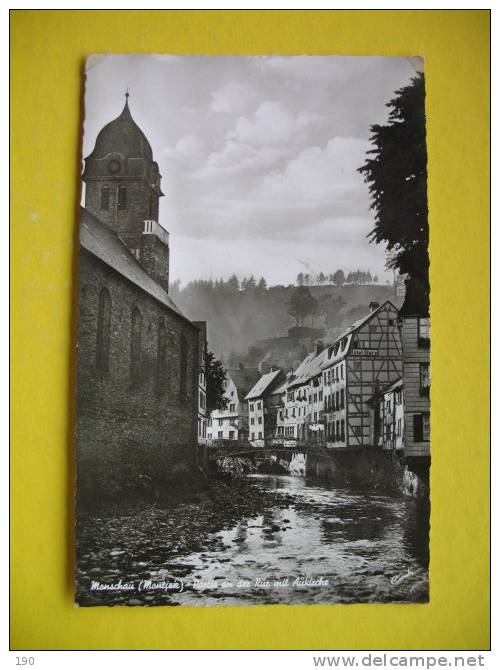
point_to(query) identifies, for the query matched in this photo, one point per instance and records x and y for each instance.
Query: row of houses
(232, 424)
(369, 388)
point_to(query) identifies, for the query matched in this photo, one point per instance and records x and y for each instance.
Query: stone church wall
(132, 437)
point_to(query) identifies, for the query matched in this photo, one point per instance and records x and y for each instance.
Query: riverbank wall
(370, 467)
(361, 467)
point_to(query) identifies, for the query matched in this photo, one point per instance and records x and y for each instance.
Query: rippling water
(321, 544)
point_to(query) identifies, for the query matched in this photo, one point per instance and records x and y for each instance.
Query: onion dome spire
(122, 135)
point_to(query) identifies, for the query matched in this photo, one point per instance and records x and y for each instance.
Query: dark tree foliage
(302, 303)
(262, 285)
(339, 278)
(396, 171)
(216, 376)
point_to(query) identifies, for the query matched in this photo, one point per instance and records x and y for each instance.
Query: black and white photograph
(253, 332)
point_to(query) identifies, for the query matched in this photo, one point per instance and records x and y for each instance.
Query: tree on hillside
(216, 376)
(396, 171)
(262, 285)
(300, 279)
(339, 278)
(233, 284)
(321, 278)
(251, 283)
(302, 304)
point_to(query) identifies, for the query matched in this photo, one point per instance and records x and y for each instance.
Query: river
(313, 542)
(327, 545)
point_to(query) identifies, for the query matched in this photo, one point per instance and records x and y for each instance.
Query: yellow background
(48, 50)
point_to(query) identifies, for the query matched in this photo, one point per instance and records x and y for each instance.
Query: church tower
(122, 189)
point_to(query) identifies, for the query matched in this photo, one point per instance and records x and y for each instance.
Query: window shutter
(418, 428)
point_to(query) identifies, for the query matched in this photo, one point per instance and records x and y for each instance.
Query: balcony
(152, 227)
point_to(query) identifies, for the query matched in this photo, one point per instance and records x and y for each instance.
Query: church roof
(102, 243)
(123, 136)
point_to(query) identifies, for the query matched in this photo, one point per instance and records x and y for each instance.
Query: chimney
(319, 347)
(373, 306)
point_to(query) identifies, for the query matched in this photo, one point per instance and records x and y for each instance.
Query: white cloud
(232, 98)
(240, 156)
(259, 142)
(273, 125)
(319, 175)
(187, 148)
(260, 154)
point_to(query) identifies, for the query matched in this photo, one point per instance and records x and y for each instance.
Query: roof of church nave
(101, 242)
(123, 136)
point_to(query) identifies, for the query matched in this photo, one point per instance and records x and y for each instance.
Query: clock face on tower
(114, 166)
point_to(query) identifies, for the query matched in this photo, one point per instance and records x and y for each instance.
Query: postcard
(253, 374)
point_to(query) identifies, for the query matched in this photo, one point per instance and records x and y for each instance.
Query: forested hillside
(239, 314)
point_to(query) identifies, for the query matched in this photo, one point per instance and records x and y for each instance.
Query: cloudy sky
(258, 155)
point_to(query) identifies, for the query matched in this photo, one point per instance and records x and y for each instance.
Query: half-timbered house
(364, 358)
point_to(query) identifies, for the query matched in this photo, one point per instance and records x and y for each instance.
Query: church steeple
(123, 191)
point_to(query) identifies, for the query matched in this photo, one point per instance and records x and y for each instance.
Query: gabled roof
(331, 356)
(101, 242)
(243, 378)
(360, 322)
(263, 385)
(309, 368)
(392, 386)
(282, 387)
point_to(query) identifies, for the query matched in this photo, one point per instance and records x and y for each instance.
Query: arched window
(183, 368)
(136, 346)
(161, 362)
(103, 331)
